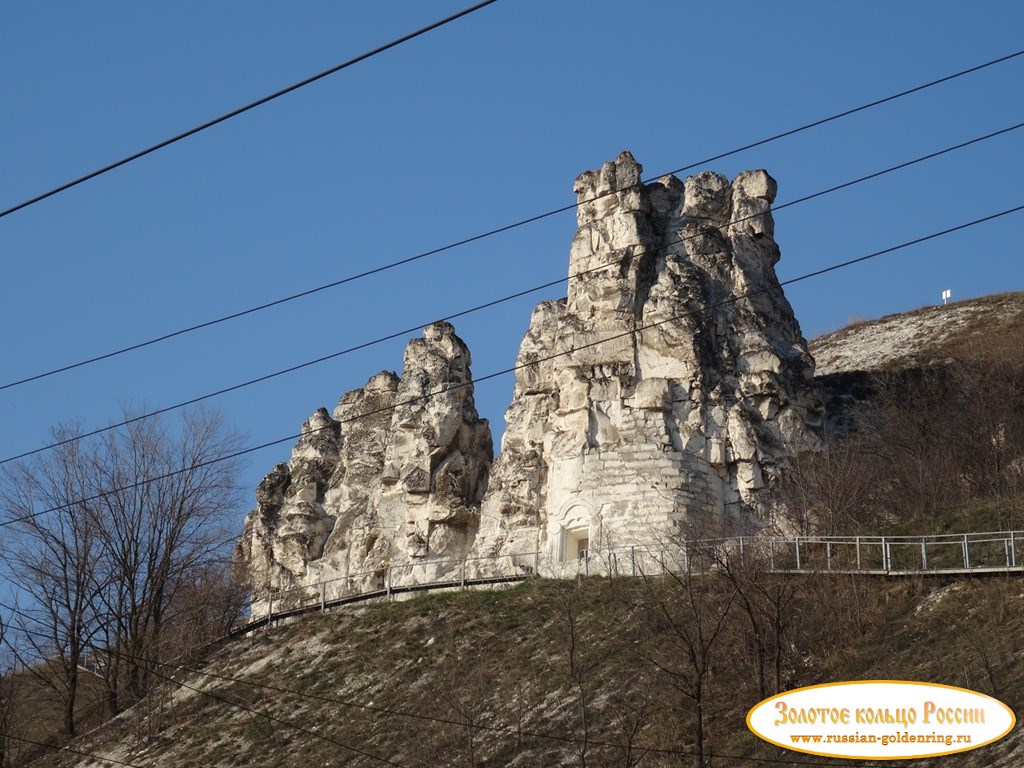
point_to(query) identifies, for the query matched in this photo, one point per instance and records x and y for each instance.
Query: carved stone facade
(663, 396)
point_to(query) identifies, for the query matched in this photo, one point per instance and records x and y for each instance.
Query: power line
(512, 369)
(283, 371)
(69, 750)
(388, 711)
(492, 232)
(212, 695)
(279, 720)
(494, 302)
(441, 720)
(246, 108)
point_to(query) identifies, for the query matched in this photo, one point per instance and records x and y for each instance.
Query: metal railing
(897, 555)
(982, 552)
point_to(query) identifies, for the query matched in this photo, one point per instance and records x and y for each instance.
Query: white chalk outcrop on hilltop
(671, 385)
(396, 475)
(664, 395)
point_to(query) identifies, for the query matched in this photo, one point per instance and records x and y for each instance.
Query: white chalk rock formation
(393, 480)
(665, 395)
(662, 398)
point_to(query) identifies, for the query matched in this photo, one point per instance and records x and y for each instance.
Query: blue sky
(470, 127)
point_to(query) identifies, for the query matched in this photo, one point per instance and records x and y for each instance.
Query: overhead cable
(246, 108)
(70, 750)
(486, 305)
(149, 663)
(475, 238)
(514, 368)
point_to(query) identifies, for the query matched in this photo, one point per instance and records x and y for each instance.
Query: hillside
(902, 356)
(566, 673)
(988, 328)
(609, 672)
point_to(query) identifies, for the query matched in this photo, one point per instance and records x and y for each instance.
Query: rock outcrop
(393, 479)
(663, 397)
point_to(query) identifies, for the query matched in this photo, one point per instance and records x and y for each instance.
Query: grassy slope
(503, 659)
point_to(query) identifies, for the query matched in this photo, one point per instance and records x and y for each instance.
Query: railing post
(387, 580)
(270, 608)
(1013, 551)
(1006, 547)
(771, 552)
(796, 540)
(924, 554)
(323, 596)
(885, 555)
(462, 576)
(967, 553)
(632, 560)
(828, 555)
(858, 552)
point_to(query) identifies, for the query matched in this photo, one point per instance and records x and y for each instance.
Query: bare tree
(940, 436)
(8, 692)
(765, 601)
(986, 629)
(928, 440)
(203, 610)
(157, 538)
(686, 615)
(581, 673)
(828, 492)
(631, 712)
(108, 534)
(51, 560)
(994, 460)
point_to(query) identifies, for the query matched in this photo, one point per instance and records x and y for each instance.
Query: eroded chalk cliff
(394, 477)
(663, 397)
